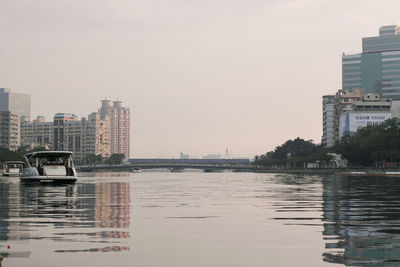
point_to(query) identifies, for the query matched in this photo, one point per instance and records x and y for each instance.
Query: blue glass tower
(377, 68)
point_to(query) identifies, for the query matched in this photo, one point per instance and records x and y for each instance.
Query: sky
(199, 76)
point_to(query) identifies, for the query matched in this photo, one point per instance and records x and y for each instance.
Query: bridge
(175, 164)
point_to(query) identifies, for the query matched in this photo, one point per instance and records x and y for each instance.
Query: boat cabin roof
(47, 154)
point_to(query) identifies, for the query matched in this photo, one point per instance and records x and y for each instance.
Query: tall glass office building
(15, 102)
(377, 68)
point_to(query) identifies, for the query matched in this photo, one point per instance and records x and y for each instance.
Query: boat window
(36, 162)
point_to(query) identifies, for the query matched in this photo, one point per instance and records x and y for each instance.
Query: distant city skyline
(198, 77)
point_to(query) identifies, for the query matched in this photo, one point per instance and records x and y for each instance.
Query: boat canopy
(9, 165)
(37, 159)
(49, 154)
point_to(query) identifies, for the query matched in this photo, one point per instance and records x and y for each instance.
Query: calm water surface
(201, 219)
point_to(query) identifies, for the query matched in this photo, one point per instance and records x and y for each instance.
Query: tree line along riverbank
(376, 146)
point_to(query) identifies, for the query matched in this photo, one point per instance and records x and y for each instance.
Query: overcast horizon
(198, 76)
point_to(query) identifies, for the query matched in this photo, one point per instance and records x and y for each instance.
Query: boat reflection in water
(81, 215)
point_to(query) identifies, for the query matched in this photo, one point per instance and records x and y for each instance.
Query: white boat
(136, 170)
(176, 169)
(12, 168)
(49, 166)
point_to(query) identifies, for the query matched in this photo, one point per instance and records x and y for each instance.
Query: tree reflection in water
(361, 220)
(360, 215)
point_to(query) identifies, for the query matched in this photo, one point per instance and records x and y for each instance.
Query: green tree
(372, 145)
(99, 159)
(296, 153)
(115, 159)
(91, 159)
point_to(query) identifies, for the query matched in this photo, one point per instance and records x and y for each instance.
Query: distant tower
(228, 154)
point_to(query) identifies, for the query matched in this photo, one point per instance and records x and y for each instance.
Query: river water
(201, 219)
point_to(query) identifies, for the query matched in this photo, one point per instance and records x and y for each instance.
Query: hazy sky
(198, 75)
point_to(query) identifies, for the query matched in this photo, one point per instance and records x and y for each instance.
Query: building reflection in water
(360, 215)
(83, 214)
(113, 208)
(361, 219)
(9, 228)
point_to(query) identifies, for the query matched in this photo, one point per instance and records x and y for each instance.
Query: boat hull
(49, 179)
(12, 174)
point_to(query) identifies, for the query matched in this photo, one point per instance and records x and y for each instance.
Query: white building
(328, 120)
(37, 133)
(9, 130)
(395, 109)
(333, 106)
(372, 110)
(83, 137)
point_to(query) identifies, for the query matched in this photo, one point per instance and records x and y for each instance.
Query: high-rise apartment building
(17, 103)
(104, 135)
(37, 133)
(119, 118)
(377, 68)
(9, 130)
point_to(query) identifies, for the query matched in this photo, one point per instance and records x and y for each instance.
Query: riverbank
(346, 171)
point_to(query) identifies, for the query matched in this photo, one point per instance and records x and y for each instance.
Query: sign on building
(351, 122)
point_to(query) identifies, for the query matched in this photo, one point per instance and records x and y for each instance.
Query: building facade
(344, 99)
(328, 120)
(60, 119)
(333, 106)
(119, 118)
(377, 68)
(37, 133)
(9, 130)
(396, 108)
(371, 110)
(17, 103)
(104, 135)
(83, 137)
